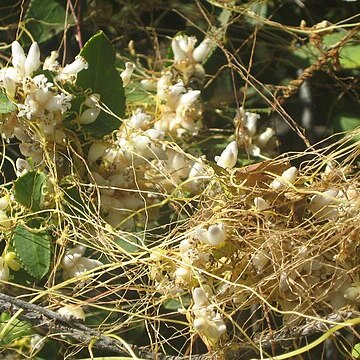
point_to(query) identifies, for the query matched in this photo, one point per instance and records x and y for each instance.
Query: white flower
(207, 321)
(263, 138)
(202, 51)
(22, 167)
(250, 122)
(216, 235)
(325, 205)
(186, 101)
(139, 119)
(25, 65)
(74, 264)
(183, 47)
(71, 312)
(228, 157)
(71, 70)
(126, 74)
(261, 204)
(51, 62)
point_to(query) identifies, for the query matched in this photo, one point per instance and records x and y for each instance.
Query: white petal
(228, 157)
(202, 51)
(32, 62)
(18, 57)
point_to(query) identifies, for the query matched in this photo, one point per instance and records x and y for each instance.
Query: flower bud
(200, 297)
(228, 157)
(286, 178)
(75, 67)
(202, 51)
(89, 116)
(10, 87)
(263, 139)
(4, 203)
(261, 204)
(32, 62)
(18, 57)
(352, 293)
(325, 205)
(216, 235)
(250, 122)
(126, 74)
(5, 222)
(96, 151)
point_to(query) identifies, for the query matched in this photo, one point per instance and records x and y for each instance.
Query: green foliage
(349, 53)
(45, 19)
(356, 351)
(6, 106)
(17, 330)
(345, 122)
(33, 250)
(29, 190)
(130, 244)
(102, 78)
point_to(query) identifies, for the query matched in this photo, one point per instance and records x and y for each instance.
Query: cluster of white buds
(256, 141)
(180, 110)
(332, 204)
(41, 104)
(191, 256)
(207, 321)
(183, 47)
(75, 264)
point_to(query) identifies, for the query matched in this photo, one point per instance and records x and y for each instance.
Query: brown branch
(49, 322)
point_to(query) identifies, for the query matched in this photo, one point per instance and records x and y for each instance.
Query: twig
(50, 322)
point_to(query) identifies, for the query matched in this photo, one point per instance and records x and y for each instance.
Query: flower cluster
(41, 103)
(207, 321)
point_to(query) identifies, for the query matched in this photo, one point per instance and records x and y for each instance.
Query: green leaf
(17, 330)
(102, 78)
(356, 351)
(6, 106)
(129, 243)
(29, 190)
(33, 250)
(349, 53)
(346, 123)
(45, 19)
(175, 304)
